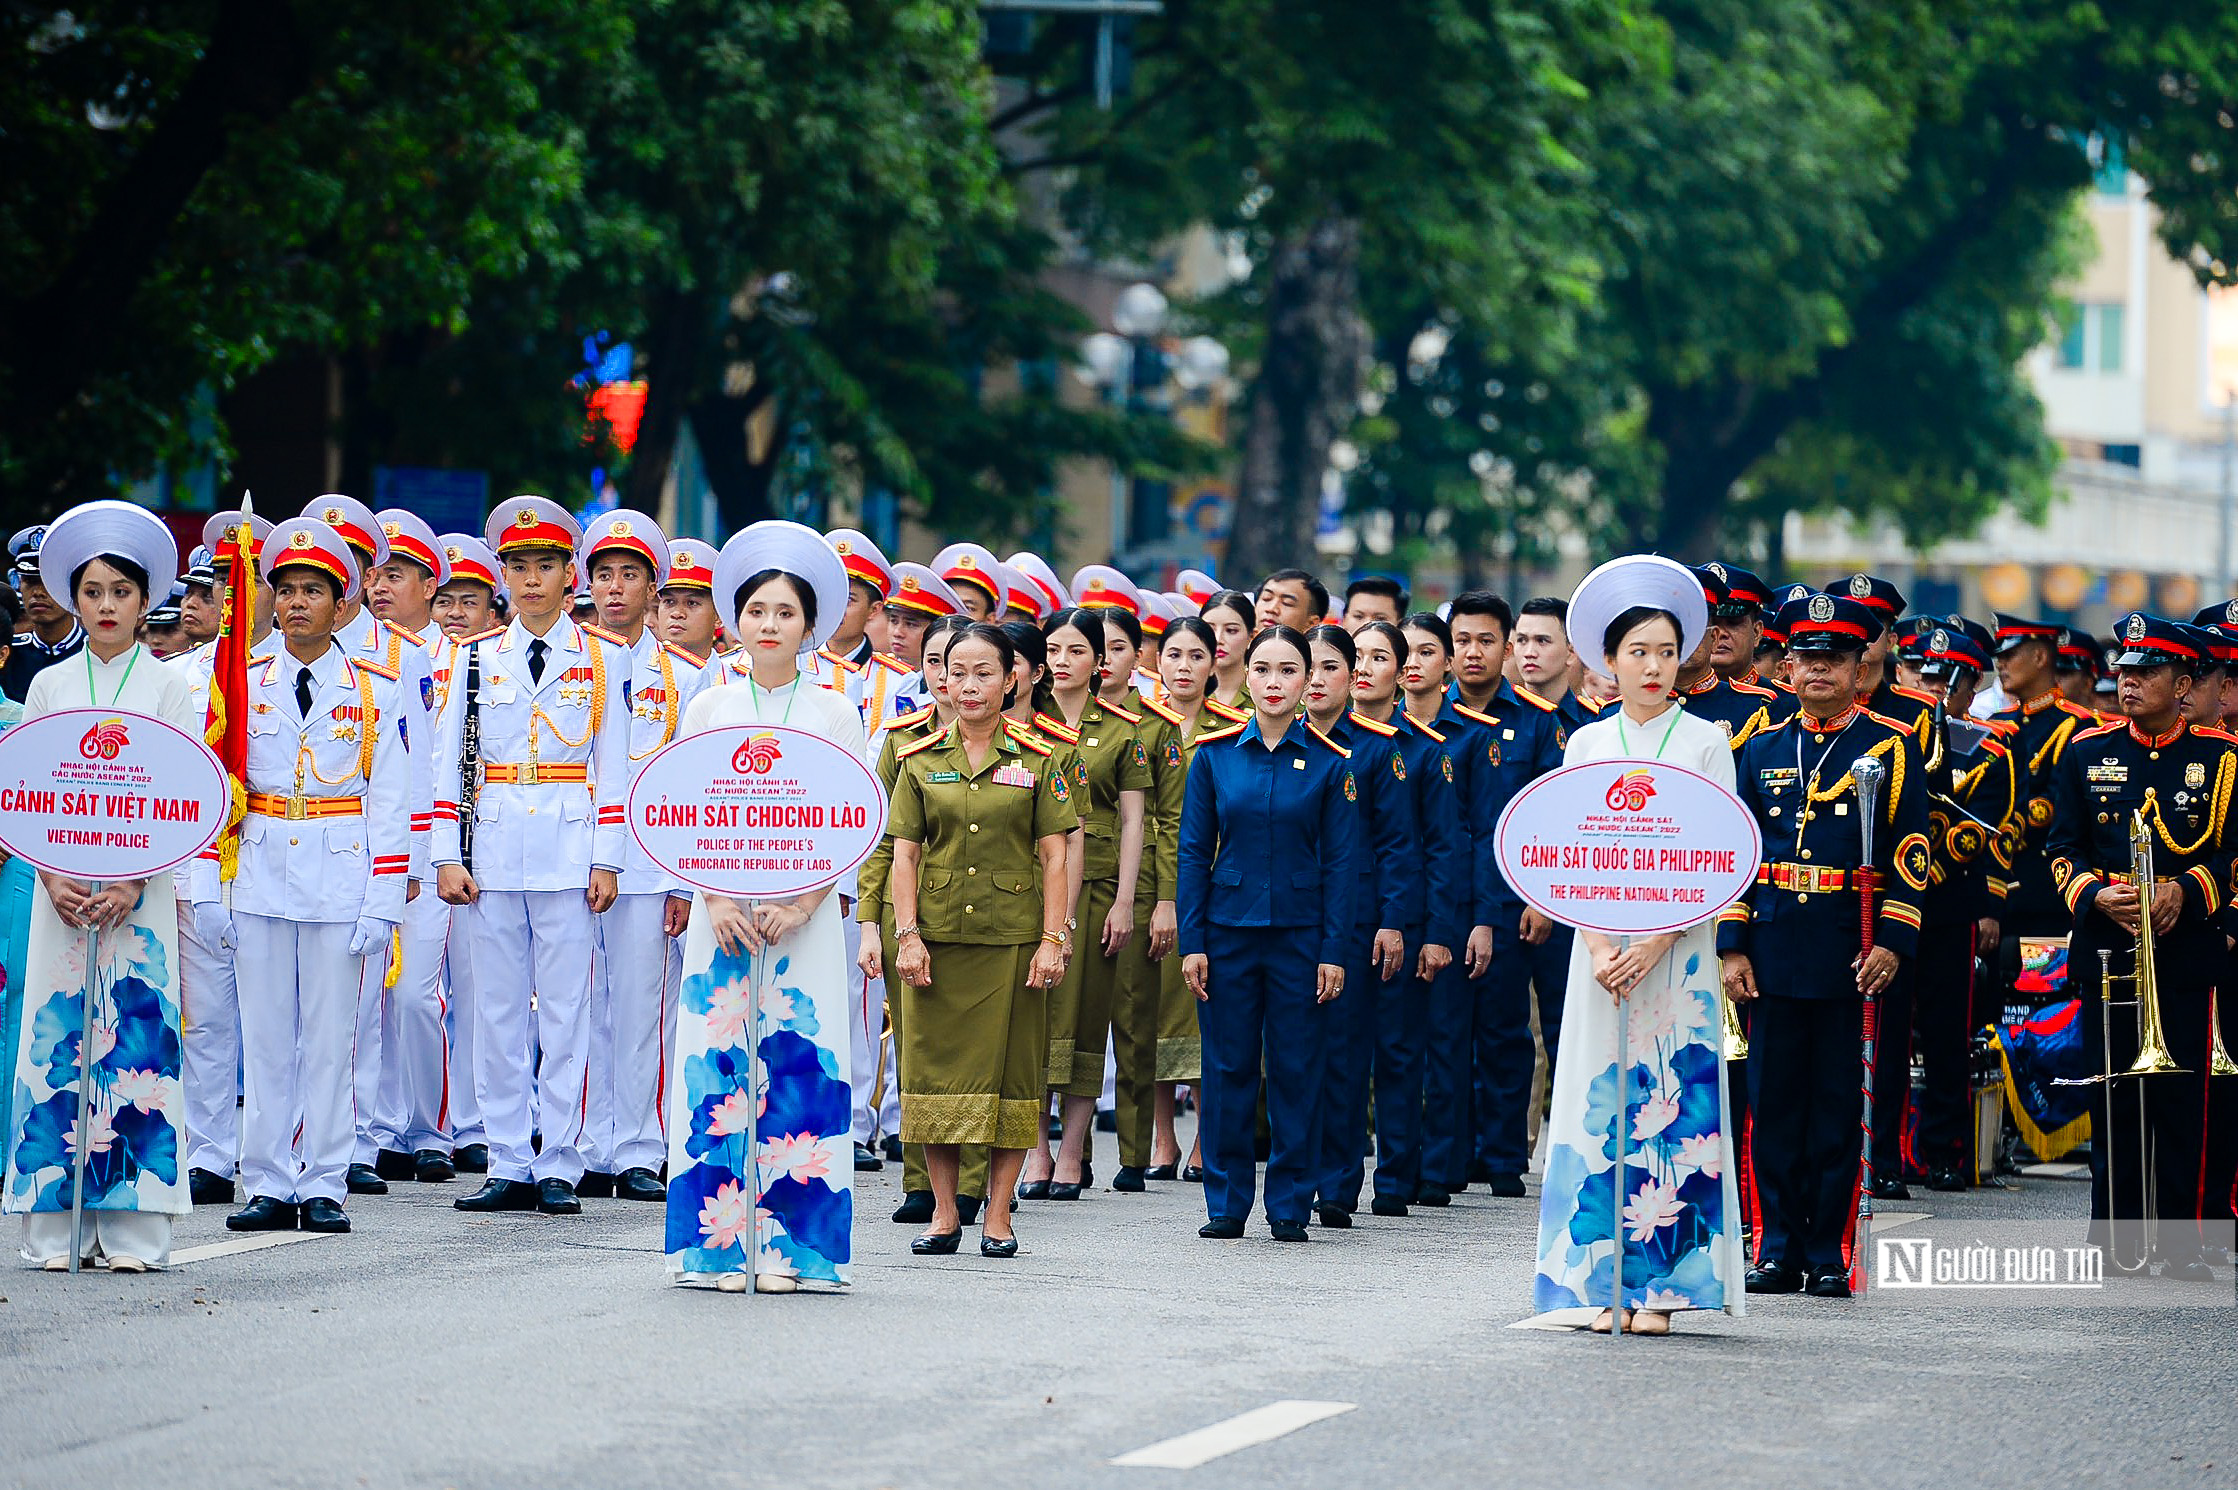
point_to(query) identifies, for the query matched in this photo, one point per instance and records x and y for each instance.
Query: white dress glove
(371, 937)
(213, 923)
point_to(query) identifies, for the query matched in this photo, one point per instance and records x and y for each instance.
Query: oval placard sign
(1628, 847)
(757, 811)
(100, 794)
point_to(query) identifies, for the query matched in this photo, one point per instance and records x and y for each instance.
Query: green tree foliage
(194, 187)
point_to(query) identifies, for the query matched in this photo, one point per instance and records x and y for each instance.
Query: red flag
(227, 727)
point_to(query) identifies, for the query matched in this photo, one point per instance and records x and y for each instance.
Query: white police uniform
(555, 785)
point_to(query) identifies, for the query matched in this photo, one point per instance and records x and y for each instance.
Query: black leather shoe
(1162, 1172)
(1288, 1231)
(208, 1187)
(998, 1247)
(262, 1213)
(1059, 1190)
(1946, 1179)
(1432, 1195)
(937, 1243)
(324, 1215)
(1828, 1283)
(1506, 1186)
(916, 1208)
(1130, 1179)
(1480, 1173)
(1107, 1122)
(595, 1185)
(557, 1198)
(1193, 1175)
(392, 1164)
(363, 1181)
(1221, 1229)
(499, 1195)
(867, 1160)
(2189, 1270)
(1034, 1190)
(1385, 1206)
(1335, 1219)
(639, 1183)
(433, 1167)
(891, 1148)
(472, 1158)
(1890, 1189)
(1774, 1277)
(967, 1208)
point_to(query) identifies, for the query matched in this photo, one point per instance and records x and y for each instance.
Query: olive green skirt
(1180, 1045)
(1080, 1005)
(972, 1043)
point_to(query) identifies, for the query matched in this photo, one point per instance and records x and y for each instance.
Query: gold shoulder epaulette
(1756, 688)
(1926, 698)
(2214, 732)
(1229, 733)
(602, 633)
(2103, 729)
(1529, 697)
(1161, 710)
(1426, 729)
(681, 655)
(2069, 706)
(1127, 714)
(1342, 753)
(481, 636)
(927, 743)
(909, 720)
(894, 663)
(838, 661)
(375, 668)
(1468, 713)
(1027, 739)
(1056, 727)
(1225, 711)
(411, 637)
(1373, 726)
(1897, 725)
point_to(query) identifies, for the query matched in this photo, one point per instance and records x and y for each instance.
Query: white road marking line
(2059, 1171)
(1890, 1220)
(1260, 1425)
(255, 1243)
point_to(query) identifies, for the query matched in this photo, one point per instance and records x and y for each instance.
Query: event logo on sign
(757, 755)
(1631, 791)
(104, 740)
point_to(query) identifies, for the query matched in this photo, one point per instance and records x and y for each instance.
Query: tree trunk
(740, 483)
(1304, 397)
(674, 343)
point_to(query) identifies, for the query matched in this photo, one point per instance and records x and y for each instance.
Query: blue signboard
(449, 501)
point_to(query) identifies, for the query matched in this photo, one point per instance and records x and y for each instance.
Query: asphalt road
(430, 1349)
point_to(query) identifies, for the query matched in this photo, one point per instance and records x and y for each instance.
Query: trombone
(2153, 1058)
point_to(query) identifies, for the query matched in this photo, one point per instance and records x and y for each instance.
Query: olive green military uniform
(973, 1039)
(1137, 1028)
(1110, 759)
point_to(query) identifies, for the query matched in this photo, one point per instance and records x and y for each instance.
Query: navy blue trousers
(1260, 980)
(1375, 1026)
(1806, 1081)
(1505, 1054)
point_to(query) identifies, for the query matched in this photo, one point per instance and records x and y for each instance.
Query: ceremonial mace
(1867, 773)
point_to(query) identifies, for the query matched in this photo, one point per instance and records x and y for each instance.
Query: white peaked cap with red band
(862, 559)
(355, 521)
(1100, 584)
(628, 532)
(409, 536)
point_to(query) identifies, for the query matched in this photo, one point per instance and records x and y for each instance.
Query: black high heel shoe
(1194, 1174)
(1162, 1172)
(1059, 1190)
(998, 1246)
(937, 1243)
(1034, 1190)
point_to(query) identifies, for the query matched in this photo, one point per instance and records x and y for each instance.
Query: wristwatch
(1061, 938)
(902, 931)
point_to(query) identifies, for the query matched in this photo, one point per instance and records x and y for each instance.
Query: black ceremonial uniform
(2181, 781)
(2042, 727)
(1739, 709)
(1800, 927)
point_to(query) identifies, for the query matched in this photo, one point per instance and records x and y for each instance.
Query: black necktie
(536, 651)
(303, 692)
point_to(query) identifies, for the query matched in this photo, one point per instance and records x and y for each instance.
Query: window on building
(2132, 456)
(2070, 336)
(2090, 338)
(2109, 338)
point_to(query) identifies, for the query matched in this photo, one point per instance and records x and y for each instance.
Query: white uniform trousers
(532, 942)
(465, 1113)
(142, 1234)
(298, 1015)
(372, 1019)
(633, 1016)
(877, 1099)
(414, 1063)
(210, 1060)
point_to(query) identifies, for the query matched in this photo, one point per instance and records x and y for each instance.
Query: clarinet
(470, 759)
